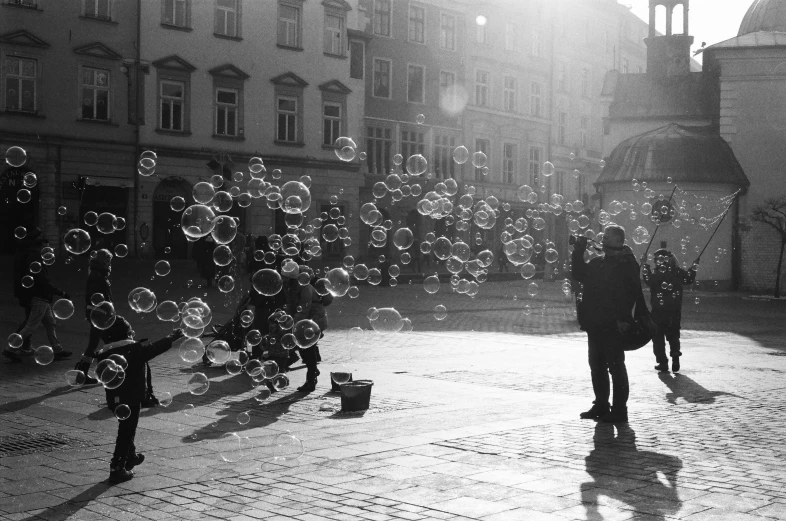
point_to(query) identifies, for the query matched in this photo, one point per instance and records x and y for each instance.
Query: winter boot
(84, 366)
(149, 401)
(311, 381)
(61, 354)
(596, 411)
(118, 472)
(12, 354)
(662, 367)
(133, 461)
(616, 415)
(675, 364)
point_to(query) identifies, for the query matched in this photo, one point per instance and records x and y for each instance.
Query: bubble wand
(668, 205)
(716, 230)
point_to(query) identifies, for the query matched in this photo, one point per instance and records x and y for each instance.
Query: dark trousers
(606, 356)
(126, 431)
(668, 329)
(310, 358)
(92, 342)
(26, 341)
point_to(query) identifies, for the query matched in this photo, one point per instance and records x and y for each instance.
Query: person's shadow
(681, 386)
(71, 507)
(612, 456)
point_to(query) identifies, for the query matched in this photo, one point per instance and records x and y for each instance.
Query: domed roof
(684, 154)
(764, 15)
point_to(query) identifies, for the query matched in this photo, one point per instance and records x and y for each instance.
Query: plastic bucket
(356, 396)
(334, 387)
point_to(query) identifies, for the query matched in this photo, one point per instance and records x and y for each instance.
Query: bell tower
(668, 55)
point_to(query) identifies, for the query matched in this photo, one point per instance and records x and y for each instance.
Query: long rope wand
(716, 231)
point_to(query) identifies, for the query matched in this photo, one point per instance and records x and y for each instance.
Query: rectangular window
(535, 163)
(417, 24)
(412, 142)
(480, 34)
(26, 3)
(559, 183)
(101, 9)
(226, 17)
(535, 90)
(334, 248)
(509, 163)
(624, 66)
(382, 17)
(482, 145)
(444, 166)
(446, 81)
(334, 35)
(416, 84)
(536, 49)
(481, 88)
(95, 94)
(509, 94)
(331, 123)
(447, 32)
(379, 147)
(585, 82)
(226, 112)
(286, 119)
(288, 25)
(173, 99)
(511, 36)
(175, 12)
(562, 76)
(21, 84)
(584, 127)
(562, 128)
(357, 60)
(382, 70)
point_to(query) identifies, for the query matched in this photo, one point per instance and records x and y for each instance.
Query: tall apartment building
(64, 98)
(519, 81)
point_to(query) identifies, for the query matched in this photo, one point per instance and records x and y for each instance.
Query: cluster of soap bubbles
(146, 166)
(16, 157)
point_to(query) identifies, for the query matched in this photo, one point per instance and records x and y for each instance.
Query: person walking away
(502, 258)
(611, 287)
(24, 248)
(666, 289)
(206, 264)
(117, 341)
(303, 302)
(98, 271)
(42, 293)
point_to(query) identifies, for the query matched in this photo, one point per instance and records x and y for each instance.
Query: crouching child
(120, 347)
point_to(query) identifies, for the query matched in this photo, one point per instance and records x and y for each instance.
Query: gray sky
(711, 21)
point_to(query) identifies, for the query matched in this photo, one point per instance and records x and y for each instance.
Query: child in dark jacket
(666, 285)
(130, 393)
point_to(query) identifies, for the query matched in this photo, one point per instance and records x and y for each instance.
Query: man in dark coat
(611, 287)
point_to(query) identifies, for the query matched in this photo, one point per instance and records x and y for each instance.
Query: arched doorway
(166, 222)
(12, 212)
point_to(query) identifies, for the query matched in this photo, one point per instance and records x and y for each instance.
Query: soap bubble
(256, 165)
(330, 232)
(416, 165)
(165, 399)
(440, 313)
(280, 382)
(338, 282)
(296, 197)
(27, 281)
(267, 282)
(551, 255)
(191, 350)
(177, 204)
(91, 218)
(75, 378)
(420, 119)
(527, 270)
(197, 221)
(479, 159)
(43, 355)
(30, 180)
(345, 148)
(243, 418)
(640, 235)
(122, 412)
(224, 229)
(142, 300)
(198, 384)
(226, 283)
(218, 352)
(15, 156)
(222, 255)
(111, 376)
(106, 223)
(269, 369)
(222, 202)
(168, 311)
(548, 169)
(431, 284)
(306, 333)
(403, 238)
(533, 289)
(388, 320)
(286, 447)
(162, 268)
(121, 250)
(103, 315)
(77, 241)
(203, 192)
(23, 195)
(233, 367)
(14, 340)
(20, 232)
(196, 314)
(63, 309)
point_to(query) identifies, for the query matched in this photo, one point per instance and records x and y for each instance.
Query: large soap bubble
(224, 229)
(197, 221)
(198, 384)
(431, 284)
(77, 241)
(403, 238)
(103, 315)
(106, 223)
(306, 333)
(218, 352)
(43, 355)
(388, 320)
(191, 350)
(203, 192)
(338, 282)
(641, 235)
(267, 282)
(168, 311)
(460, 155)
(63, 309)
(295, 197)
(196, 314)
(286, 447)
(162, 268)
(142, 300)
(416, 165)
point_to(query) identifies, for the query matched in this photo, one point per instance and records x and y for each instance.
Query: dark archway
(166, 222)
(12, 212)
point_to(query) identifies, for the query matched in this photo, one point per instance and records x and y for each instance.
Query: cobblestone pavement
(472, 417)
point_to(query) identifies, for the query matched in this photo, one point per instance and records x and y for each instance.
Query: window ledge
(329, 147)
(23, 114)
(105, 122)
(337, 56)
(228, 138)
(227, 37)
(165, 132)
(22, 6)
(288, 144)
(100, 20)
(289, 47)
(177, 27)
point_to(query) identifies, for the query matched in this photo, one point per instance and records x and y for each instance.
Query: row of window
(98, 9)
(416, 30)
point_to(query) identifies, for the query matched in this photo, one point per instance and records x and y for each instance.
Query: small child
(118, 341)
(666, 285)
